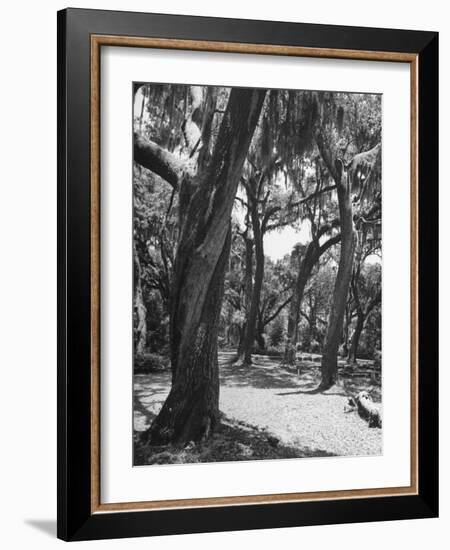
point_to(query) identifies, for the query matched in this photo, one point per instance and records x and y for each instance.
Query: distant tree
(366, 289)
(316, 303)
(273, 183)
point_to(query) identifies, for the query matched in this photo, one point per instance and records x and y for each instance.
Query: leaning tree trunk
(342, 283)
(346, 179)
(191, 410)
(311, 257)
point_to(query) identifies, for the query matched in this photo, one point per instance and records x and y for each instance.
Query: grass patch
(150, 362)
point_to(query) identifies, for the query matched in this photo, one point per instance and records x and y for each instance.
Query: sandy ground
(275, 399)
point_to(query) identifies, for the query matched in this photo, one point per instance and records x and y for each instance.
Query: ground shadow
(264, 373)
(139, 407)
(47, 526)
(235, 440)
(232, 441)
(374, 389)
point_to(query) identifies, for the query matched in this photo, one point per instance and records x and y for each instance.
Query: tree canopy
(217, 173)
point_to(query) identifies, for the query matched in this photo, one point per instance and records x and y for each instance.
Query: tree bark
(346, 180)
(191, 410)
(150, 155)
(342, 283)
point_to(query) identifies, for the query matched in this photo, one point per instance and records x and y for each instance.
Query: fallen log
(366, 408)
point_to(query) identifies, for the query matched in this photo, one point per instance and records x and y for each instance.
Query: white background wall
(28, 273)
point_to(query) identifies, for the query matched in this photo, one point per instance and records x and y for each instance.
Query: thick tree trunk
(342, 283)
(140, 311)
(191, 409)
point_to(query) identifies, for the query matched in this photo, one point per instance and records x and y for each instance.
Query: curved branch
(267, 320)
(153, 157)
(326, 245)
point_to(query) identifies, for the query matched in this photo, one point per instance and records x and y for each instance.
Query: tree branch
(277, 311)
(326, 245)
(241, 201)
(312, 196)
(270, 212)
(156, 159)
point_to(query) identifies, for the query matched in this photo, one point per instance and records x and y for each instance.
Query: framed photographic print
(247, 255)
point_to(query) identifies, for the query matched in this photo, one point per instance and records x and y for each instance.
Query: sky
(279, 243)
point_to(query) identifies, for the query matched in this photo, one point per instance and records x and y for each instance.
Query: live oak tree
(206, 195)
(354, 180)
(217, 168)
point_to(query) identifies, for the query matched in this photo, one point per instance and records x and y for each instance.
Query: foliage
(277, 332)
(286, 183)
(150, 362)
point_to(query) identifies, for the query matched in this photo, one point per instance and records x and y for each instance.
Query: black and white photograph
(224, 306)
(257, 271)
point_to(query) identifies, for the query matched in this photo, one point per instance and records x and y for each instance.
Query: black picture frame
(76, 521)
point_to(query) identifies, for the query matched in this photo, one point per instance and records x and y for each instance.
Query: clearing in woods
(267, 411)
